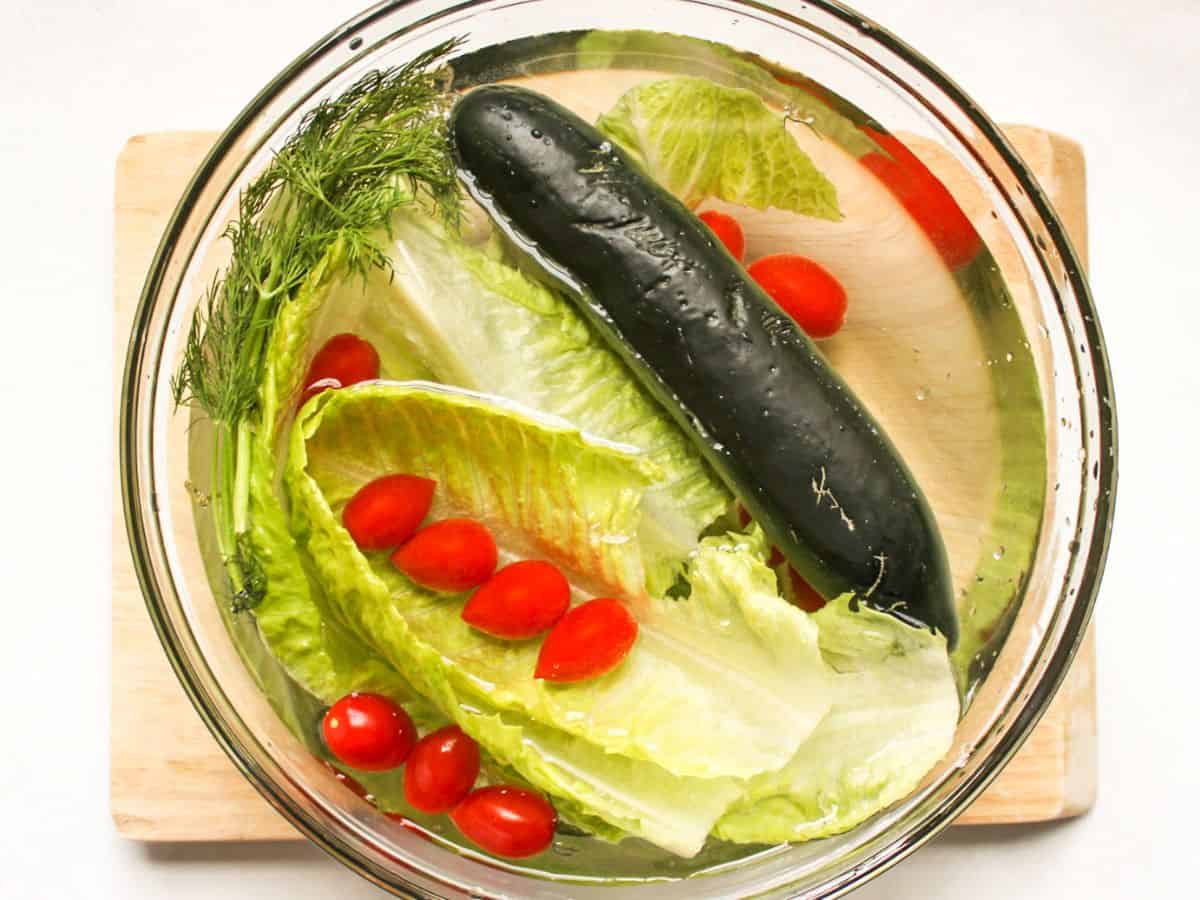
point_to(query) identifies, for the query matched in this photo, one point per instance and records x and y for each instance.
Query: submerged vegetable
(441, 770)
(345, 359)
(507, 821)
(772, 418)
(369, 732)
(452, 555)
(804, 290)
(701, 139)
(728, 231)
(520, 601)
(925, 198)
(590, 641)
(387, 511)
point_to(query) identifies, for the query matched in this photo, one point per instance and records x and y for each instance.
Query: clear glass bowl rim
(1073, 289)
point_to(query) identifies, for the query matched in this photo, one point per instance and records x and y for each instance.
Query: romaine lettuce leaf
(294, 617)
(701, 139)
(801, 98)
(734, 659)
(895, 709)
(478, 323)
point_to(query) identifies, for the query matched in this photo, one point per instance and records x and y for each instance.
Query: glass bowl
(1027, 514)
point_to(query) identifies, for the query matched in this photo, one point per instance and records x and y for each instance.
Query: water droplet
(998, 553)
(535, 133)
(922, 393)
(1008, 357)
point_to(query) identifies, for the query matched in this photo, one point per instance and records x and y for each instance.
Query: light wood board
(179, 786)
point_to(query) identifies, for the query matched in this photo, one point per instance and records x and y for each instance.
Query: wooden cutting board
(179, 786)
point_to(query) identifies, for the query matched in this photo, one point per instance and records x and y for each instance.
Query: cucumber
(775, 422)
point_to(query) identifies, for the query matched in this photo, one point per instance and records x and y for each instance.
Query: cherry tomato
(452, 555)
(349, 783)
(925, 198)
(743, 517)
(803, 594)
(368, 732)
(441, 770)
(506, 821)
(521, 600)
(345, 359)
(795, 589)
(804, 290)
(727, 230)
(588, 641)
(387, 511)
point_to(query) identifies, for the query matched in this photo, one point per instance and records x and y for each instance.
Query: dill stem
(241, 478)
(222, 490)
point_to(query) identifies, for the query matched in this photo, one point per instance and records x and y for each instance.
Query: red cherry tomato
(345, 359)
(506, 821)
(521, 600)
(452, 555)
(795, 589)
(387, 511)
(803, 594)
(925, 198)
(776, 557)
(368, 732)
(743, 517)
(349, 783)
(441, 770)
(728, 231)
(804, 290)
(588, 641)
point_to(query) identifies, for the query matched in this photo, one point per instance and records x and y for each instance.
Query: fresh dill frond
(354, 160)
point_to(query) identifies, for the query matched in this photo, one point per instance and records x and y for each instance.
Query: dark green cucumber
(776, 423)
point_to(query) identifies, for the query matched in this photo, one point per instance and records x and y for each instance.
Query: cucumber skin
(776, 423)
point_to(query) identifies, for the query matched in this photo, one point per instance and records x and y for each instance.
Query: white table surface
(76, 78)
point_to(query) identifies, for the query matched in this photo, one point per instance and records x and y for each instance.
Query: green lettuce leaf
(294, 617)
(895, 709)
(802, 99)
(734, 659)
(480, 324)
(700, 139)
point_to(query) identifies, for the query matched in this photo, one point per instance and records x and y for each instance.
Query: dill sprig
(353, 161)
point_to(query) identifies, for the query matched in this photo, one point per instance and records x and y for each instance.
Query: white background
(77, 78)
